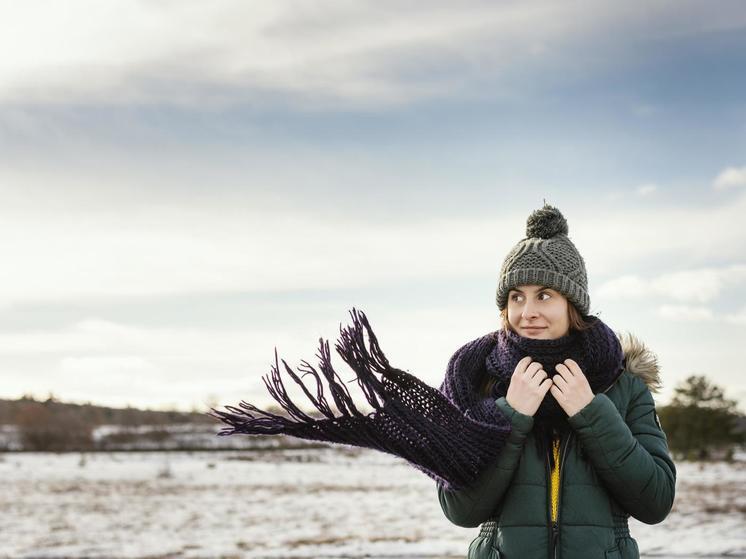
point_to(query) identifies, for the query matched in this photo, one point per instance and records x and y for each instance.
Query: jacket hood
(640, 360)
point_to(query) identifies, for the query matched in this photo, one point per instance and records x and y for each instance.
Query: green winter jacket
(627, 470)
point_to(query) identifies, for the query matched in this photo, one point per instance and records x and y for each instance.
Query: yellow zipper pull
(555, 476)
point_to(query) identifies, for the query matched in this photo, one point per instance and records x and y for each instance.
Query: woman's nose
(529, 310)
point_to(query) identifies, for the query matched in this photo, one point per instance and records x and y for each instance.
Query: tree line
(700, 422)
(51, 425)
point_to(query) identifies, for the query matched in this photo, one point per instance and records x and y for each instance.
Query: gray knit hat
(546, 256)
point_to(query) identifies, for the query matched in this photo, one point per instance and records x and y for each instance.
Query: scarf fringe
(410, 419)
(249, 419)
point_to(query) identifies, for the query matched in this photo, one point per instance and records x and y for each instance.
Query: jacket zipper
(555, 532)
(554, 524)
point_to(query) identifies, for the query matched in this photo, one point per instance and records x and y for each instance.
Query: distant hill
(12, 413)
(28, 424)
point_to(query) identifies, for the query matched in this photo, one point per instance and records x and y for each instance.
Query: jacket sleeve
(471, 506)
(630, 454)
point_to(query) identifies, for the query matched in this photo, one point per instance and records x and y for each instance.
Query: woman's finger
(539, 377)
(520, 368)
(545, 386)
(556, 392)
(563, 371)
(560, 382)
(572, 366)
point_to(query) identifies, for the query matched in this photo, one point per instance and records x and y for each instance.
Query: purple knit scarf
(596, 350)
(451, 434)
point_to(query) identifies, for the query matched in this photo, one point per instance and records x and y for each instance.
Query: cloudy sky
(185, 186)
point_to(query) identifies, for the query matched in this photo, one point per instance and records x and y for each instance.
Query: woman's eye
(516, 297)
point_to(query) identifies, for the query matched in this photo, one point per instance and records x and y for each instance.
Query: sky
(186, 186)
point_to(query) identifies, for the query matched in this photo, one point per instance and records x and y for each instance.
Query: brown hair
(577, 323)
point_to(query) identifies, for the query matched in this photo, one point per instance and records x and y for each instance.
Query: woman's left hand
(570, 387)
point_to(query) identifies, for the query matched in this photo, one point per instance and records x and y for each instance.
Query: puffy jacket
(625, 470)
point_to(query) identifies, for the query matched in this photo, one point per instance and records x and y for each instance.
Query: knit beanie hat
(546, 256)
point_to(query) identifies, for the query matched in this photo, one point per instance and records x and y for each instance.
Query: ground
(337, 502)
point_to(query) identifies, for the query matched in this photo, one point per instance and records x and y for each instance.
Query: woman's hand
(528, 386)
(570, 387)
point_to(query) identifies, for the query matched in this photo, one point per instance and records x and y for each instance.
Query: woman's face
(539, 307)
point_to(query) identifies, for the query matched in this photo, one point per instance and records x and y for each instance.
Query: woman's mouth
(534, 329)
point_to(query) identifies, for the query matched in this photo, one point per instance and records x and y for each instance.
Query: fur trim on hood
(641, 361)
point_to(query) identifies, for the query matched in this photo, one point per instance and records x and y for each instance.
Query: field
(331, 502)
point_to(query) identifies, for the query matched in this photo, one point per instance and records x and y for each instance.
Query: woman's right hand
(528, 386)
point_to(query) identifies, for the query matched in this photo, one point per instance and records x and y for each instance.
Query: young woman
(586, 449)
(544, 431)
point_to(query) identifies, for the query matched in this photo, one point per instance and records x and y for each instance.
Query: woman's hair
(577, 323)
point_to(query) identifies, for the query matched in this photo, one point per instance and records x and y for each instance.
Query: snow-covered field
(333, 502)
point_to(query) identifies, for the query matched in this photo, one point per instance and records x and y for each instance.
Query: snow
(329, 502)
(10, 438)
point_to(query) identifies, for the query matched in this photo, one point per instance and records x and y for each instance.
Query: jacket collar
(640, 360)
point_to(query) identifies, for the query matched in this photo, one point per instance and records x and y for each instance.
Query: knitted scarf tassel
(411, 419)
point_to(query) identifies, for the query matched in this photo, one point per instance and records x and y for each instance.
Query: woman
(544, 432)
(586, 449)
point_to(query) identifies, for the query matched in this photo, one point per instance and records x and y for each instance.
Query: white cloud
(100, 338)
(700, 285)
(628, 286)
(192, 53)
(128, 372)
(60, 253)
(108, 364)
(117, 364)
(216, 53)
(737, 318)
(692, 313)
(684, 313)
(613, 241)
(646, 189)
(643, 191)
(160, 251)
(697, 285)
(732, 177)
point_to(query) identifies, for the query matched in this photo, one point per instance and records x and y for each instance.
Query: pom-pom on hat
(546, 256)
